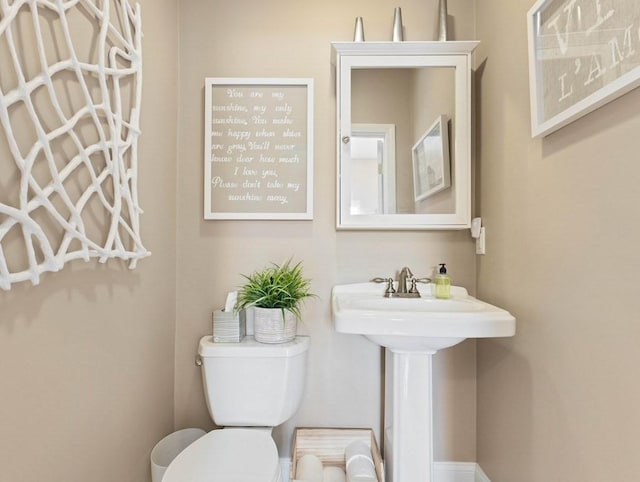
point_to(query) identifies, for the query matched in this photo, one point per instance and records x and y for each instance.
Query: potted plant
(276, 292)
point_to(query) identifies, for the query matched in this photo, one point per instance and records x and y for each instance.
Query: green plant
(275, 286)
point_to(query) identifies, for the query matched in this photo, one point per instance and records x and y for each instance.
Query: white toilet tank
(251, 384)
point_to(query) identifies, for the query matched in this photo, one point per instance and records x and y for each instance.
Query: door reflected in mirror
(408, 100)
(373, 169)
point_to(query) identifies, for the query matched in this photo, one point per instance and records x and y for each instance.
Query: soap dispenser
(443, 283)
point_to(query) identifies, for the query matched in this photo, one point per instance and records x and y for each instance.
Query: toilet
(250, 387)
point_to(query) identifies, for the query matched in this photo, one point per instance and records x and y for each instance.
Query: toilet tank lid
(248, 348)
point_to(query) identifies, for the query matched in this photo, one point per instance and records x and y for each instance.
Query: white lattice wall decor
(70, 91)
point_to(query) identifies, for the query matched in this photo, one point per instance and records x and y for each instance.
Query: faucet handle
(413, 288)
(380, 280)
(423, 280)
(390, 289)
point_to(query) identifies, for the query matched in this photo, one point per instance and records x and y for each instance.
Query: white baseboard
(458, 472)
(442, 471)
(480, 475)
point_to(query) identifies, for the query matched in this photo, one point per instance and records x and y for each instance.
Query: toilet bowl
(250, 388)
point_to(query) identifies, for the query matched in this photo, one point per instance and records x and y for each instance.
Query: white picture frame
(258, 148)
(582, 55)
(431, 162)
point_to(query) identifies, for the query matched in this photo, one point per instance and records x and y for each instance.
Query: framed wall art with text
(258, 148)
(582, 54)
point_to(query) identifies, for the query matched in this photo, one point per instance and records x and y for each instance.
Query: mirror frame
(348, 56)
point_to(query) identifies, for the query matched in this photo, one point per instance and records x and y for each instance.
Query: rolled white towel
(309, 468)
(359, 463)
(333, 474)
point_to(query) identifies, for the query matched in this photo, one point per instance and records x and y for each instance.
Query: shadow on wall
(476, 136)
(610, 116)
(96, 277)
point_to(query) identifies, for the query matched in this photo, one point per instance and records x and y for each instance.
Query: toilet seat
(227, 455)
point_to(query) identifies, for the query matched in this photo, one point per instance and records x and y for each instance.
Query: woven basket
(269, 327)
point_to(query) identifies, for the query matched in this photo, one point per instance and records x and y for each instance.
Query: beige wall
(559, 401)
(253, 38)
(86, 357)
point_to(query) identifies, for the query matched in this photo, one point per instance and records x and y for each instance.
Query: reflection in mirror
(409, 99)
(373, 169)
(431, 170)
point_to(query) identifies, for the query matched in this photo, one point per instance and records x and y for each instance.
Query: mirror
(404, 159)
(400, 103)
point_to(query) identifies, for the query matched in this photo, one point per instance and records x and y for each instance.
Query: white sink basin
(425, 324)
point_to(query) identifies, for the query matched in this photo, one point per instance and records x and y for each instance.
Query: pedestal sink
(413, 330)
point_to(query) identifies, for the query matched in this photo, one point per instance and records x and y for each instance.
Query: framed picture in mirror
(431, 163)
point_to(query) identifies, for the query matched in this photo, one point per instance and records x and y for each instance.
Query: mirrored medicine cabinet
(403, 134)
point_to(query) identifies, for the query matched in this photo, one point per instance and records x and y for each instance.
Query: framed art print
(582, 54)
(258, 146)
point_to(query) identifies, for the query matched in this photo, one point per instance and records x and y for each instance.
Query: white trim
(402, 48)
(443, 471)
(458, 472)
(480, 475)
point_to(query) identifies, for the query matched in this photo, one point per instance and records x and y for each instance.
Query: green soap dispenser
(443, 283)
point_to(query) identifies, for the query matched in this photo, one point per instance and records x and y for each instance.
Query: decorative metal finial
(397, 25)
(358, 34)
(442, 21)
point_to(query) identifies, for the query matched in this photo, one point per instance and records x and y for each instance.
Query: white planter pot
(269, 327)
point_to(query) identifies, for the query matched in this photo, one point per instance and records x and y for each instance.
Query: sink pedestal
(408, 420)
(412, 330)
